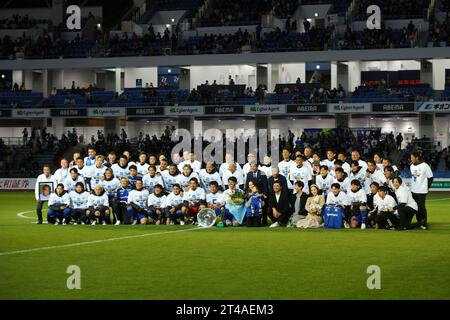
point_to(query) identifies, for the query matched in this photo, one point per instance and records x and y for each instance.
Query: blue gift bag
(332, 217)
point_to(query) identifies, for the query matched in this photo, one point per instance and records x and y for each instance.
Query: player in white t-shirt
(324, 180)
(151, 179)
(137, 203)
(208, 175)
(358, 201)
(173, 205)
(422, 178)
(192, 199)
(342, 179)
(385, 208)
(79, 203)
(300, 172)
(406, 207)
(285, 166)
(338, 198)
(142, 165)
(121, 169)
(157, 204)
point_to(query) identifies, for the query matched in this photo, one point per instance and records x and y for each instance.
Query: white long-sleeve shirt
(384, 204)
(157, 202)
(196, 165)
(404, 195)
(96, 175)
(79, 200)
(340, 200)
(40, 179)
(206, 178)
(150, 182)
(194, 196)
(69, 183)
(98, 201)
(138, 197)
(61, 174)
(183, 181)
(59, 200)
(173, 200)
(419, 177)
(237, 174)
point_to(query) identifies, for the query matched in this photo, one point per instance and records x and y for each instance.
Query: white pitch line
(96, 241)
(21, 214)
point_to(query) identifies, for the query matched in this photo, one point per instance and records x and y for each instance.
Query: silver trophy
(206, 218)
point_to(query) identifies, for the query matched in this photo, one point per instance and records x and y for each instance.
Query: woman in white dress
(314, 206)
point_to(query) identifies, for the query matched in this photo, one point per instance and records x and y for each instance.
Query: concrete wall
(149, 75)
(240, 74)
(289, 72)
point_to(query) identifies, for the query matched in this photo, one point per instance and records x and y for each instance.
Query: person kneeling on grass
(59, 206)
(156, 204)
(98, 206)
(79, 203)
(174, 202)
(338, 198)
(358, 209)
(406, 207)
(313, 206)
(192, 200)
(384, 206)
(216, 201)
(137, 203)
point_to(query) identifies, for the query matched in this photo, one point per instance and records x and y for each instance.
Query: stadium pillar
(58, 125)
(334, 70)
(426, 125)
(263, 123)
(342, 119)
(112, 125)
(426, 74)
(354, 75)
(186, 123)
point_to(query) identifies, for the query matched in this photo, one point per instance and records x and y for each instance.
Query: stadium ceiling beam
(230, 59)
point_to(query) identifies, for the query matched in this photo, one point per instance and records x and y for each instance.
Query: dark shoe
(39, 222)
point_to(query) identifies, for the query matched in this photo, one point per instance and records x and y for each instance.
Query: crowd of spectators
(21, 22)
(439, 33)
(395, 9)
(379, 38)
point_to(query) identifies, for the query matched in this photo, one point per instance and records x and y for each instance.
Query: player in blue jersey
(254, 206)
(133, 176)
(121, 213)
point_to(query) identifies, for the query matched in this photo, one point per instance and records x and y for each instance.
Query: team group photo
(228, 159)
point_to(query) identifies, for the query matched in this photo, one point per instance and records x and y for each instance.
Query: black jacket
(280, 178)
(303, 199)
(260, 181)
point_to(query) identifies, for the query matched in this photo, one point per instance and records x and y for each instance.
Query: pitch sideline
(77, 244)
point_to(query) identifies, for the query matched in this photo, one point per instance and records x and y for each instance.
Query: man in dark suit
(258, 178)
(298, 199)
(279, 206)
(276, 176)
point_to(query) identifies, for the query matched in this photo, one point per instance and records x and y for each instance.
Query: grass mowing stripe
(96, 241)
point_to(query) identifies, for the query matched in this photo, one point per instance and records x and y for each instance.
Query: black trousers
(406, 214)
(283, 220)
(39, 206)
(420, 198)
(387, 220)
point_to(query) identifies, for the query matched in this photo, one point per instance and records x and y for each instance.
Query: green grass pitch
(229, 263)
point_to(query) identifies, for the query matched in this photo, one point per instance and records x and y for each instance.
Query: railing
(12, 141)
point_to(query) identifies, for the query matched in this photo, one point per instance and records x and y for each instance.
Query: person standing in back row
(421, 180)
